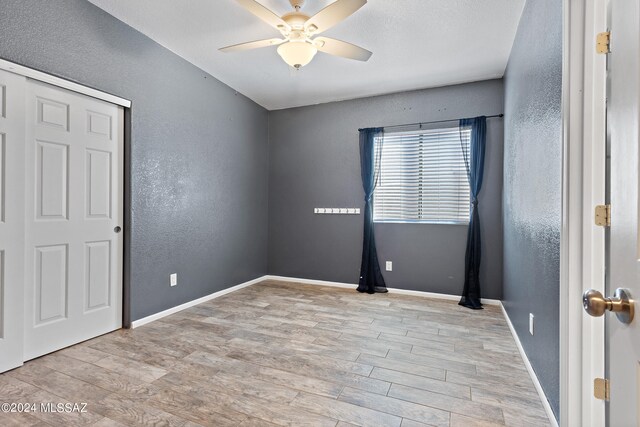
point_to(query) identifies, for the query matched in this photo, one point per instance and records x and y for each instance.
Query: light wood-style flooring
(290, 355)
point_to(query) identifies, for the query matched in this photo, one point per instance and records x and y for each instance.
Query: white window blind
(422, 177)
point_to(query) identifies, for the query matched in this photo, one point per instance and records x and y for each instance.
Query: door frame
(60, 82)
(582, 260)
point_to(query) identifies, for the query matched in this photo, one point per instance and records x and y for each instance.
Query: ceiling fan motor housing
(296, 20)
(297, 4)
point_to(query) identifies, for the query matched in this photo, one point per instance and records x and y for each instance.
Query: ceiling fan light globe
(297, 54)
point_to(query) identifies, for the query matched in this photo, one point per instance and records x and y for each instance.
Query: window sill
(421, 222)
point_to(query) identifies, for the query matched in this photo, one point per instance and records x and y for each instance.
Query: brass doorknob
(621, 303)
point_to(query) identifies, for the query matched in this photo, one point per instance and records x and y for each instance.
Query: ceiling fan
(299, 43)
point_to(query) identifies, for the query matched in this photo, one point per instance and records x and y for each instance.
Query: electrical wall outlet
(531, 316)
(173, 279)
(389, 266)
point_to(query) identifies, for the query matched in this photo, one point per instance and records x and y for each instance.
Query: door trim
(124, 132)
(65, 84)
(582, 243)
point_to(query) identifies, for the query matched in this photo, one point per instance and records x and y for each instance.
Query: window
(422, 177)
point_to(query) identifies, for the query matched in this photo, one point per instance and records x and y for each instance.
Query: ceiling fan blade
(340, 48)
(263, 13)
(332, 15)
(252, 45)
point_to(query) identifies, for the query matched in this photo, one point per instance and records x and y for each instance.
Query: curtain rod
(428, 123)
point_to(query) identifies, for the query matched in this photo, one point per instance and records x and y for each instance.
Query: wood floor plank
(378, 326)
(435, 362)
(59, 384)
(493, 380)
(307, 323)
(412, 340)
(127, 412)
(361, 332)
(398, 365)
(227, 383)
(515, 418)
(256, 422)
(289, 346)
(410, 423)
(139, 370)
(276, 376)
(447, 403)
(390, 345)
(402, 408)
(509, 399)
(111, 349)
(100, 377)
(475, 355)
(83, 352)
(15, 389)
(344, 411)
(8, 419)
(423, 383)
(107, 422)
(282, 414)
(458, 420)
(205, 411)
(345, 373)
(369, 347)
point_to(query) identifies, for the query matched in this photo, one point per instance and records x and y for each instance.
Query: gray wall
(532, 187)
(314, 162)
(198, 149)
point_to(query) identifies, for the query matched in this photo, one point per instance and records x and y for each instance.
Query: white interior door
(12, 110)
(73, 256)
(623, 340)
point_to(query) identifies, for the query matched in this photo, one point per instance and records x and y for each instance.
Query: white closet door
(12, 110)
(73, 257)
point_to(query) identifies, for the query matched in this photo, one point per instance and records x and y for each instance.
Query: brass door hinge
(603, 215)
(603, 41)
(601, 389)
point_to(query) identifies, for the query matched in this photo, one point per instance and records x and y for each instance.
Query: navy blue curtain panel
(473, 148)
(371, 279)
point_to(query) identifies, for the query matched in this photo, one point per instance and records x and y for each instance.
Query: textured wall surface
(314, 162)
(198, 150)
(532, 187)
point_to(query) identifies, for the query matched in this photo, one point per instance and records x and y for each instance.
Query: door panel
(52, 174)
(98, 188)
(12, 110)
(98, 275)
(73, 266)
(52, 284)
(623, 341)
(53, 113)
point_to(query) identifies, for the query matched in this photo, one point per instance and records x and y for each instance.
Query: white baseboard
(391, 290)
(311, 282)
(160, 315)
(145, 320)
(532, 373)
(148, 319)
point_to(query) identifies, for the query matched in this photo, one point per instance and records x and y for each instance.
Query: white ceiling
(416, 44)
